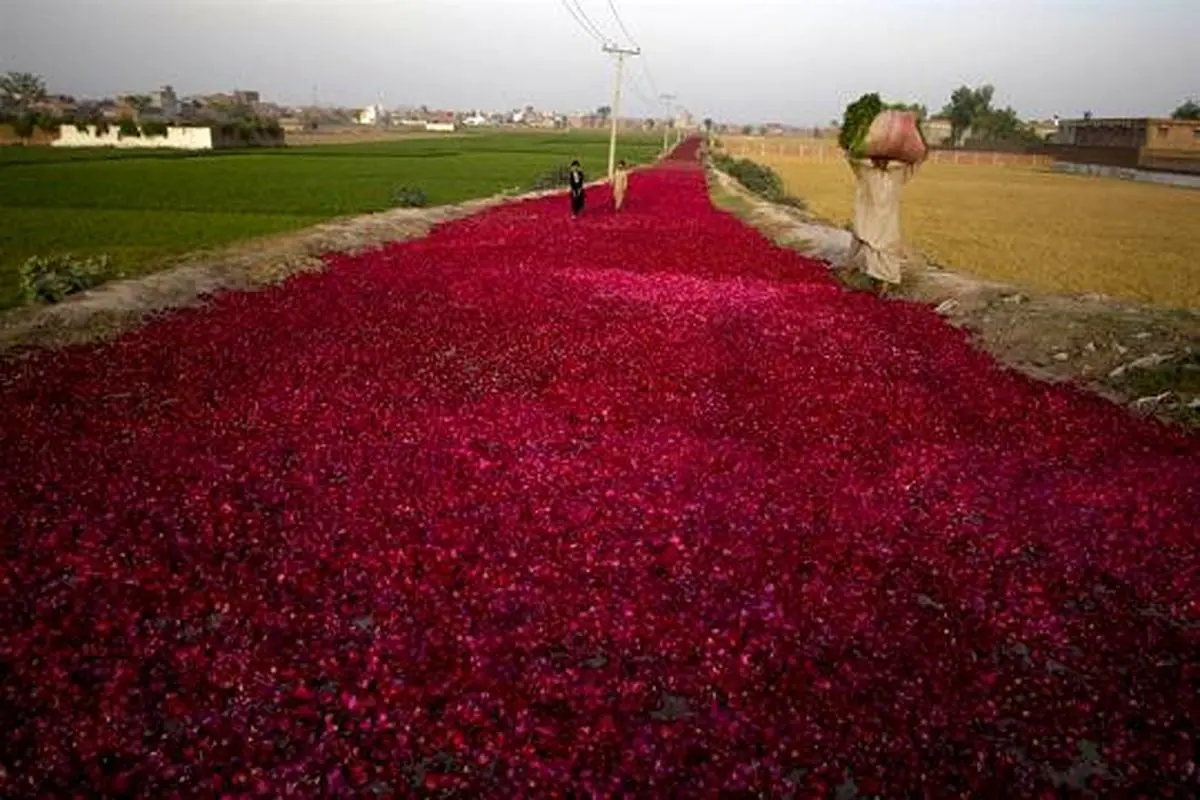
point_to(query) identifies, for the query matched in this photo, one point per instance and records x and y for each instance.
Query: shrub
(408, 197)
(155, 128)
(857, 121)
(24, 125)
(48, 123)
(82, 125)
(270, 128)
(49, 279)
(102, 128)
(552, 179)
(761, 180)
(128, 128)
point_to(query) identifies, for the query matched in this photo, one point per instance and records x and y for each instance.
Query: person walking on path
(620, 184)
(877, 248)
(575, 179)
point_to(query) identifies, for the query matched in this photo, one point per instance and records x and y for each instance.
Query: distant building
(1045, 129)
(1146, 142)
(937, 130)
(584, 121)
(1138, 132)
(476, 120)
(371, 115)
(242, 97)
(55, 106)
(165, 101)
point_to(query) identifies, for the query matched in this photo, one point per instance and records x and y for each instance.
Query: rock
(1152, 360)
(1091, 347)
(946, 306)
(1014, 299)
(1145, 362)
(1061, 356)
(1120, 348)
(1143, 335)
(1152, 400)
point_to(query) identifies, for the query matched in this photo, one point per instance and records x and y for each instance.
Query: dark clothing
(576, 181)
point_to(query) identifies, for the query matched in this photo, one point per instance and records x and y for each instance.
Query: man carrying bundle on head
(884, 148)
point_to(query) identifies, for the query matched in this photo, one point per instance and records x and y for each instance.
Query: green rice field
(143, 207)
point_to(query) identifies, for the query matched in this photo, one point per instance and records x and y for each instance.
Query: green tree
(1188, 109)
(1003, 125)
(708, 124)
(603, 112)
(915, 108)
(966, 106)
(141, 103)
(20, 90)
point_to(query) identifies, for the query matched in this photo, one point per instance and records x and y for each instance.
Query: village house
(165, 101)
(1146, 142)
(371, 115)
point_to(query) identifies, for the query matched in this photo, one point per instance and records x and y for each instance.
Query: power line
(588, 21)
(613, 7)
(639, 90)
(590, 31)
(646, 69)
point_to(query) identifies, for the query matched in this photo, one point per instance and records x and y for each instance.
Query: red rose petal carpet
(634, 505)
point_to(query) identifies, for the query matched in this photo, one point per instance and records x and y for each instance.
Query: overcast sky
(795, 61)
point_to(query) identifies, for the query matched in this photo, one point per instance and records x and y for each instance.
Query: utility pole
(668, 99)
(620, 53)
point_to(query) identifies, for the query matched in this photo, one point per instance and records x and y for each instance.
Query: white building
(371, 115)
(165, 100)
(476, 120)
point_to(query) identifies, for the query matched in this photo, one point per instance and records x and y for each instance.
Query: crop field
(143, 207)
(1029, 226)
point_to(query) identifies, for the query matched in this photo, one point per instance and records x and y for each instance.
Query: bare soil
(1144, 357)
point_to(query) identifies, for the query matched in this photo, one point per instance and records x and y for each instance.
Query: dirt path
(637, 504)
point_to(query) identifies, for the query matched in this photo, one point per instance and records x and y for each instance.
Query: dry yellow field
(1032, 227)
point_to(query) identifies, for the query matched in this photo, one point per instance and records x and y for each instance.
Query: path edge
(115, 307)
(1142, 357)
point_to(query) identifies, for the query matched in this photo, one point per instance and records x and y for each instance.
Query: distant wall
(1140, 175)
(1124, 157)
(176, 138)
(821, 150)
(1170, 161)
(440, 127)
(228, 137)
(39, 137)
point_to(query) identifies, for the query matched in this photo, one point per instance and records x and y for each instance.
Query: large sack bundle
(896, 135)
(872, 129)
